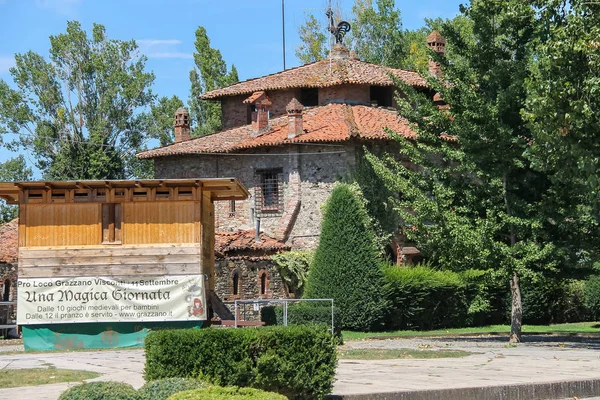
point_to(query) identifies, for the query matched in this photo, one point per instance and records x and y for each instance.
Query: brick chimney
(437, 43)
(294, 112)
(260, 114)
(182, 125)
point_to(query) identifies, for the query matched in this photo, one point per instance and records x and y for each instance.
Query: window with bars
(269, 196)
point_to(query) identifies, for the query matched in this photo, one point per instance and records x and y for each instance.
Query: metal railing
(7, 317)
(285, 307)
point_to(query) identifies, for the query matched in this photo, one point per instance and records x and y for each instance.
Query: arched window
(264, 282)
(6, 295)
(236, 283)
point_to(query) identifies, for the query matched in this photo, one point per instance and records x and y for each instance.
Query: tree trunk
(517, 310)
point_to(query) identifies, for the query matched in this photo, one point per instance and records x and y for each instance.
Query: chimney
(437, 43)
(182, 125)
(340, 52)
(260, 114)
(294, 112)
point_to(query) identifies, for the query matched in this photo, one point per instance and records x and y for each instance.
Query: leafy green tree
(210, 73)
(315, 42)
(80, 112)
(13, 170)
(347, 265)
(161, 117)
(562, 110)
(480, 202)
(377, 33)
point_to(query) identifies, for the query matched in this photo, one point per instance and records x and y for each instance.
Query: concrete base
(530, 391)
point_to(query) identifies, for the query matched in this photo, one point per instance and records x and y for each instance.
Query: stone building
(8, 261)
(290, 137)
(8, 277)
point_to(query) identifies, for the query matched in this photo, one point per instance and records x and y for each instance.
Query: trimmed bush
(223, 393)
(425, 299)
(591, 296)
(163, 388)
(100, 391)
(296, 361)
(552, 300)
(347, 263)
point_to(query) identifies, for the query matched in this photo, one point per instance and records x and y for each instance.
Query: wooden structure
(117, 228)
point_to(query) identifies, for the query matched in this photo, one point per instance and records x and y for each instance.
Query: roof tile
(330, 123)
(322, 73)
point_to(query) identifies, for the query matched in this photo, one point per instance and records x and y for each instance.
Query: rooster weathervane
(338, 31)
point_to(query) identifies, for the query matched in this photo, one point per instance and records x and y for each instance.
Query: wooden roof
(220, 188)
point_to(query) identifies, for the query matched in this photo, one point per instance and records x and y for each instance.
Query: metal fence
(240, 306)
(8, 318)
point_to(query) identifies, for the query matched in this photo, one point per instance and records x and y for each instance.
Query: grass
(42, 376)
(571, 328)
(382, 354)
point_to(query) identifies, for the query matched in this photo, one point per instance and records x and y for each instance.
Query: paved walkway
(540, 359)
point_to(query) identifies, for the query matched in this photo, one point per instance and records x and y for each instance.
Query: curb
(523, 391)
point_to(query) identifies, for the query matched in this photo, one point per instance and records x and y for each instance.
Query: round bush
(100, 391)
(161, 389)
(222, 393)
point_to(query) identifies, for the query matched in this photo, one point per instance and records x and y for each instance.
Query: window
(264, 282)
(269, 196)
(309, 97)
(6, 294)
(111, 223)
(382, 96)
(236, 283)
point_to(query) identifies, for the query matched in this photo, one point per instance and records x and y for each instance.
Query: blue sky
(248, 32)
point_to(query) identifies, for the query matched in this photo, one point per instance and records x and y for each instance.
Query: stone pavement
(540, 359)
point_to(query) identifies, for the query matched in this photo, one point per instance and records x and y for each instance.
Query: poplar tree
(209, 73)
(80, 113)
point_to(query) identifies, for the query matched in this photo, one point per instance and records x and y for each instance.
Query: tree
(13, 170)
(79, 114)
(562, 110)
(314, 45)
(377, 33)
(161, 117)
(480, 202)
(210, 73)
(347, 264)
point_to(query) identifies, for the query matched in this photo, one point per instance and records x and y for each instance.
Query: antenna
(283, 29)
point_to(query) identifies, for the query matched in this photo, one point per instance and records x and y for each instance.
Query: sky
(247, 32)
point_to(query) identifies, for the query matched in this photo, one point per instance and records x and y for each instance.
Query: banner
(110, 299)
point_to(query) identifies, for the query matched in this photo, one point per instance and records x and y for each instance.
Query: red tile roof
(245, 240)
(330, 123)
(9, 241)
(322, 73)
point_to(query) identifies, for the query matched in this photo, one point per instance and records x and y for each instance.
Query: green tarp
(95, 335)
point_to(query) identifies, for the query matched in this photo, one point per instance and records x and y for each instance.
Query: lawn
(572, 328)
(42, 376)
(385, 354)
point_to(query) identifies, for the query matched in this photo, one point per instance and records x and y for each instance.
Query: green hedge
(424, 299)
(223, 393)
(100, 391)
(302, 314)
(553, 300)
(163, 388)
(298, 362)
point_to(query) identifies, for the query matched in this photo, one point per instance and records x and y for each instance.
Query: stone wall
(349, 94)
(309, 173)
(249, 285)
(8, 275)
(235, 112)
